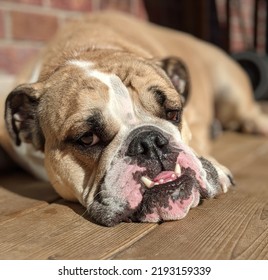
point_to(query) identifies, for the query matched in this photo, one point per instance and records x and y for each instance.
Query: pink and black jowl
(154, 178)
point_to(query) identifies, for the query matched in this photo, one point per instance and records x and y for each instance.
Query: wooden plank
(59, 231)
(21, 192)
(233, 226)
(236, 150)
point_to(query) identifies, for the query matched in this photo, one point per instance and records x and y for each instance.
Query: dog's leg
(235, 105)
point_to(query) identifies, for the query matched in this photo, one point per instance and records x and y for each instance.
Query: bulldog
(116, 113)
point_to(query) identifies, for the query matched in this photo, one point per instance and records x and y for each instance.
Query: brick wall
(25, 25)
(242, 24)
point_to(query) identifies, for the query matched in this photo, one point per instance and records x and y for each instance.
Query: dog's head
(114, 137)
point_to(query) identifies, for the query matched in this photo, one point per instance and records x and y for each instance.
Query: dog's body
(99, 111)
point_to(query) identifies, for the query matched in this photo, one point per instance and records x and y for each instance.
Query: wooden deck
(35, 223)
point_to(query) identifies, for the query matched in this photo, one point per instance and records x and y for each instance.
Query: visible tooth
(178, 169)
(173, 176)
(161, 181)
(147, 182)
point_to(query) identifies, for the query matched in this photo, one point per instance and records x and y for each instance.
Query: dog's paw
(226, 178)
(257, 125)
(219, 178)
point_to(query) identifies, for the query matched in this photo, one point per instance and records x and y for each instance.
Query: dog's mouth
(167, 196)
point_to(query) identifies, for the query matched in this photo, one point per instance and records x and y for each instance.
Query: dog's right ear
(178, 73)
(21, 115)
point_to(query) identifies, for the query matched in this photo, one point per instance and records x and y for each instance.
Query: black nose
(149, 144)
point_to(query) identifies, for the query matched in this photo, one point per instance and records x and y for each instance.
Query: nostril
(138, 147)
(161, 141)
(135, 148)
(147, 143)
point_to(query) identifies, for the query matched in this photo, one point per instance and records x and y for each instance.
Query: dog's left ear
(21, 115)
(178, 73)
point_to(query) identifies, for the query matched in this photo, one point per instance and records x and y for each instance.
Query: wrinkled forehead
(83, 90)
(118, 100)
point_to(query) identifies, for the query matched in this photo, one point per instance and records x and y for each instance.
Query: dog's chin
(168, 196)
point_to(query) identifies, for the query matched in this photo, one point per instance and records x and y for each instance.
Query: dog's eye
(173, 115)
(88, 139)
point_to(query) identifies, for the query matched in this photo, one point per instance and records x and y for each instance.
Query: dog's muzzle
(153, 180)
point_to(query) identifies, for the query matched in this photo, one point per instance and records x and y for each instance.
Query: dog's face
(114, 138)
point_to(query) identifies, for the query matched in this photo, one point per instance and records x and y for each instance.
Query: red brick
(2, 28)
(121, 5)
(73, 5)
(13, 58)
(28, 26)
(34, 2)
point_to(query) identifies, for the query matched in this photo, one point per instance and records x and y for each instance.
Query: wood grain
(59, 231)
(20, 192)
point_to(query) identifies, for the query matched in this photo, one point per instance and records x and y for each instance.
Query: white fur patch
(31, 160)
(120, 102)
(81, 64)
